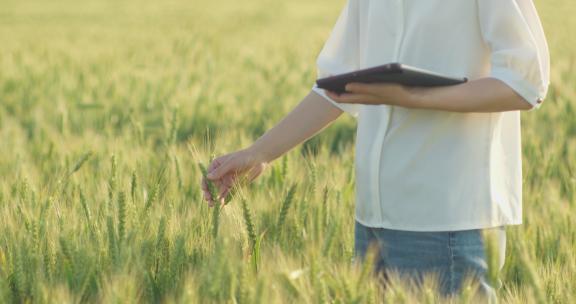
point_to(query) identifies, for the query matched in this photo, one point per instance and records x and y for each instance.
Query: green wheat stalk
(241, 294)
(530, 273)
(161, 232)
(80, 162)
(178, 173)
(211, 186)
(133, 186)
(112, 240)
(324, 206)
(87, 213)
(249, 224)
(17, 278)
(213, 195)
(313, 180)
(113, 177)
(285, 206)
(48, 259)
(121, 216)
(173, 128)
(152, 197)
(215, 220)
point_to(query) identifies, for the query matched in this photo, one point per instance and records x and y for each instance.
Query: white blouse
(431, 170)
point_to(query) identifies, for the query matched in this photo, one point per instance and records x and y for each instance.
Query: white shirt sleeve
(340, 52)
(520, 56)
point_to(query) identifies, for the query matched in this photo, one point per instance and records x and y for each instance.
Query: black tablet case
(391, 73)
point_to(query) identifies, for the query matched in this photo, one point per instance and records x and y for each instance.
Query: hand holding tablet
(389, 73)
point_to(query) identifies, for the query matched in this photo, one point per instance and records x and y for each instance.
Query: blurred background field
(104, 104)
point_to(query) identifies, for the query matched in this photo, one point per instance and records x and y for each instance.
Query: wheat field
(108, 109)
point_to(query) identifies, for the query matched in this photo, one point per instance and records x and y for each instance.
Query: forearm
(481, 95)
(309, 117)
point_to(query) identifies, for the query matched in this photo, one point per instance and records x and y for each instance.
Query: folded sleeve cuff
(519, 84)
(349, 108)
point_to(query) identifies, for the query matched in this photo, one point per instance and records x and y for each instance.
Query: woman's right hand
(225, 170)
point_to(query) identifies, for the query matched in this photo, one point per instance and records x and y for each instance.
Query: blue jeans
(451, 255)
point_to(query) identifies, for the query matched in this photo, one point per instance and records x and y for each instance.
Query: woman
(436, 168)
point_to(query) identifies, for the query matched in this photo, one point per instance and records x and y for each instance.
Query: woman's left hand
(376, 94)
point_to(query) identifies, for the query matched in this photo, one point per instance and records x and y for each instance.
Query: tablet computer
(392, 73)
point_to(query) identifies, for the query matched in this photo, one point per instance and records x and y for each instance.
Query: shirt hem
(455, 227)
